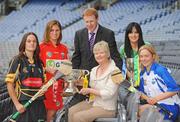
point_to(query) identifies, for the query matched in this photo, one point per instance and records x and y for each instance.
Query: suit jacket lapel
(98, 35)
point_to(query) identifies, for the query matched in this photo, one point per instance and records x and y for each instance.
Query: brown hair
(90, 12)
(48, 29)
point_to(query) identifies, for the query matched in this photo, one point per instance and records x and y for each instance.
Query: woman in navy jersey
(26, 74)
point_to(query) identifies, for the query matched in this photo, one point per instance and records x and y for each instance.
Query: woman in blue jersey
(157, 83)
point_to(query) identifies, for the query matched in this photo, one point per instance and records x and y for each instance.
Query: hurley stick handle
(158, 105)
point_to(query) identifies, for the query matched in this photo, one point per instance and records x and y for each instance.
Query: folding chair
(152, 115)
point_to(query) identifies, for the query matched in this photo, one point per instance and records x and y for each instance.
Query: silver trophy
(130, 68)
(72, 78)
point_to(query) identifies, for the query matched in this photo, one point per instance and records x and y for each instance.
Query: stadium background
(159, 19)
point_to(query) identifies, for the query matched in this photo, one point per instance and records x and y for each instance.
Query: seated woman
(157, 84)
(102, 86)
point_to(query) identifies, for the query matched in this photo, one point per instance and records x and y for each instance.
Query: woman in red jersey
(52, 51)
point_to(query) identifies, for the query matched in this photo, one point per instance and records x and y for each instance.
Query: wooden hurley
(145, 97)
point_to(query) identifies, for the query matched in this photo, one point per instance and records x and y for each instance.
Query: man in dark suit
(83, 57)
(84, 40)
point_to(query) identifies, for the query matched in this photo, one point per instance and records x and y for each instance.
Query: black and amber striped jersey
(27, 76)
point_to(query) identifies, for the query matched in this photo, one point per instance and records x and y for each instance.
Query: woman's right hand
(130, 75)
(50, 70)
(85, 91)
(20, 108)
(152, 101)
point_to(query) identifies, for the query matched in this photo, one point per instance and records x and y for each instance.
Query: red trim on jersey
(33, 82)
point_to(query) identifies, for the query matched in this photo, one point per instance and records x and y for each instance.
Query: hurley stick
(65, 69)
(145, 97)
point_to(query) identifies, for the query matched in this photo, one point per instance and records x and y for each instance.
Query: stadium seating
(159, 19)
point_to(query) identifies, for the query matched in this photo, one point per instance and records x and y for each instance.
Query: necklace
(31, 60)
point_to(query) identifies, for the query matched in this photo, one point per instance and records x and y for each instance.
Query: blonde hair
(151, 49)
(49, 25)
(90, 12)
(102, 45)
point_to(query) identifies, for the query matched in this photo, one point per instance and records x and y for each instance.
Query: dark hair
(127, 45)
(49, 25)
(23, 44)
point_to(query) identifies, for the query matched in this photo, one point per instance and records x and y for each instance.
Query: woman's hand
(129, 75)
(79, 82)
(50, 70)
(42, 92)
(152, 101)
(65, 85)
(85, 91)
(20, 108)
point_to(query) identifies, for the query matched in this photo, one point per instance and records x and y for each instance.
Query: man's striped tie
(91, 40)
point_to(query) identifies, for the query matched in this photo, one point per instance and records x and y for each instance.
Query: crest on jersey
(49, 54)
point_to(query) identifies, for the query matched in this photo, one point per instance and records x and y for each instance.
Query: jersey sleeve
(42, 53)
(12, 71)
(169, 80)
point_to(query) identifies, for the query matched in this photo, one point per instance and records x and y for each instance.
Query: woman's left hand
(65, 85)
(85, 91)
(152, 101)
(42, 92)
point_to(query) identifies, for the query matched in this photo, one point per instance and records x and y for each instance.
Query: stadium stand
(159, 19)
